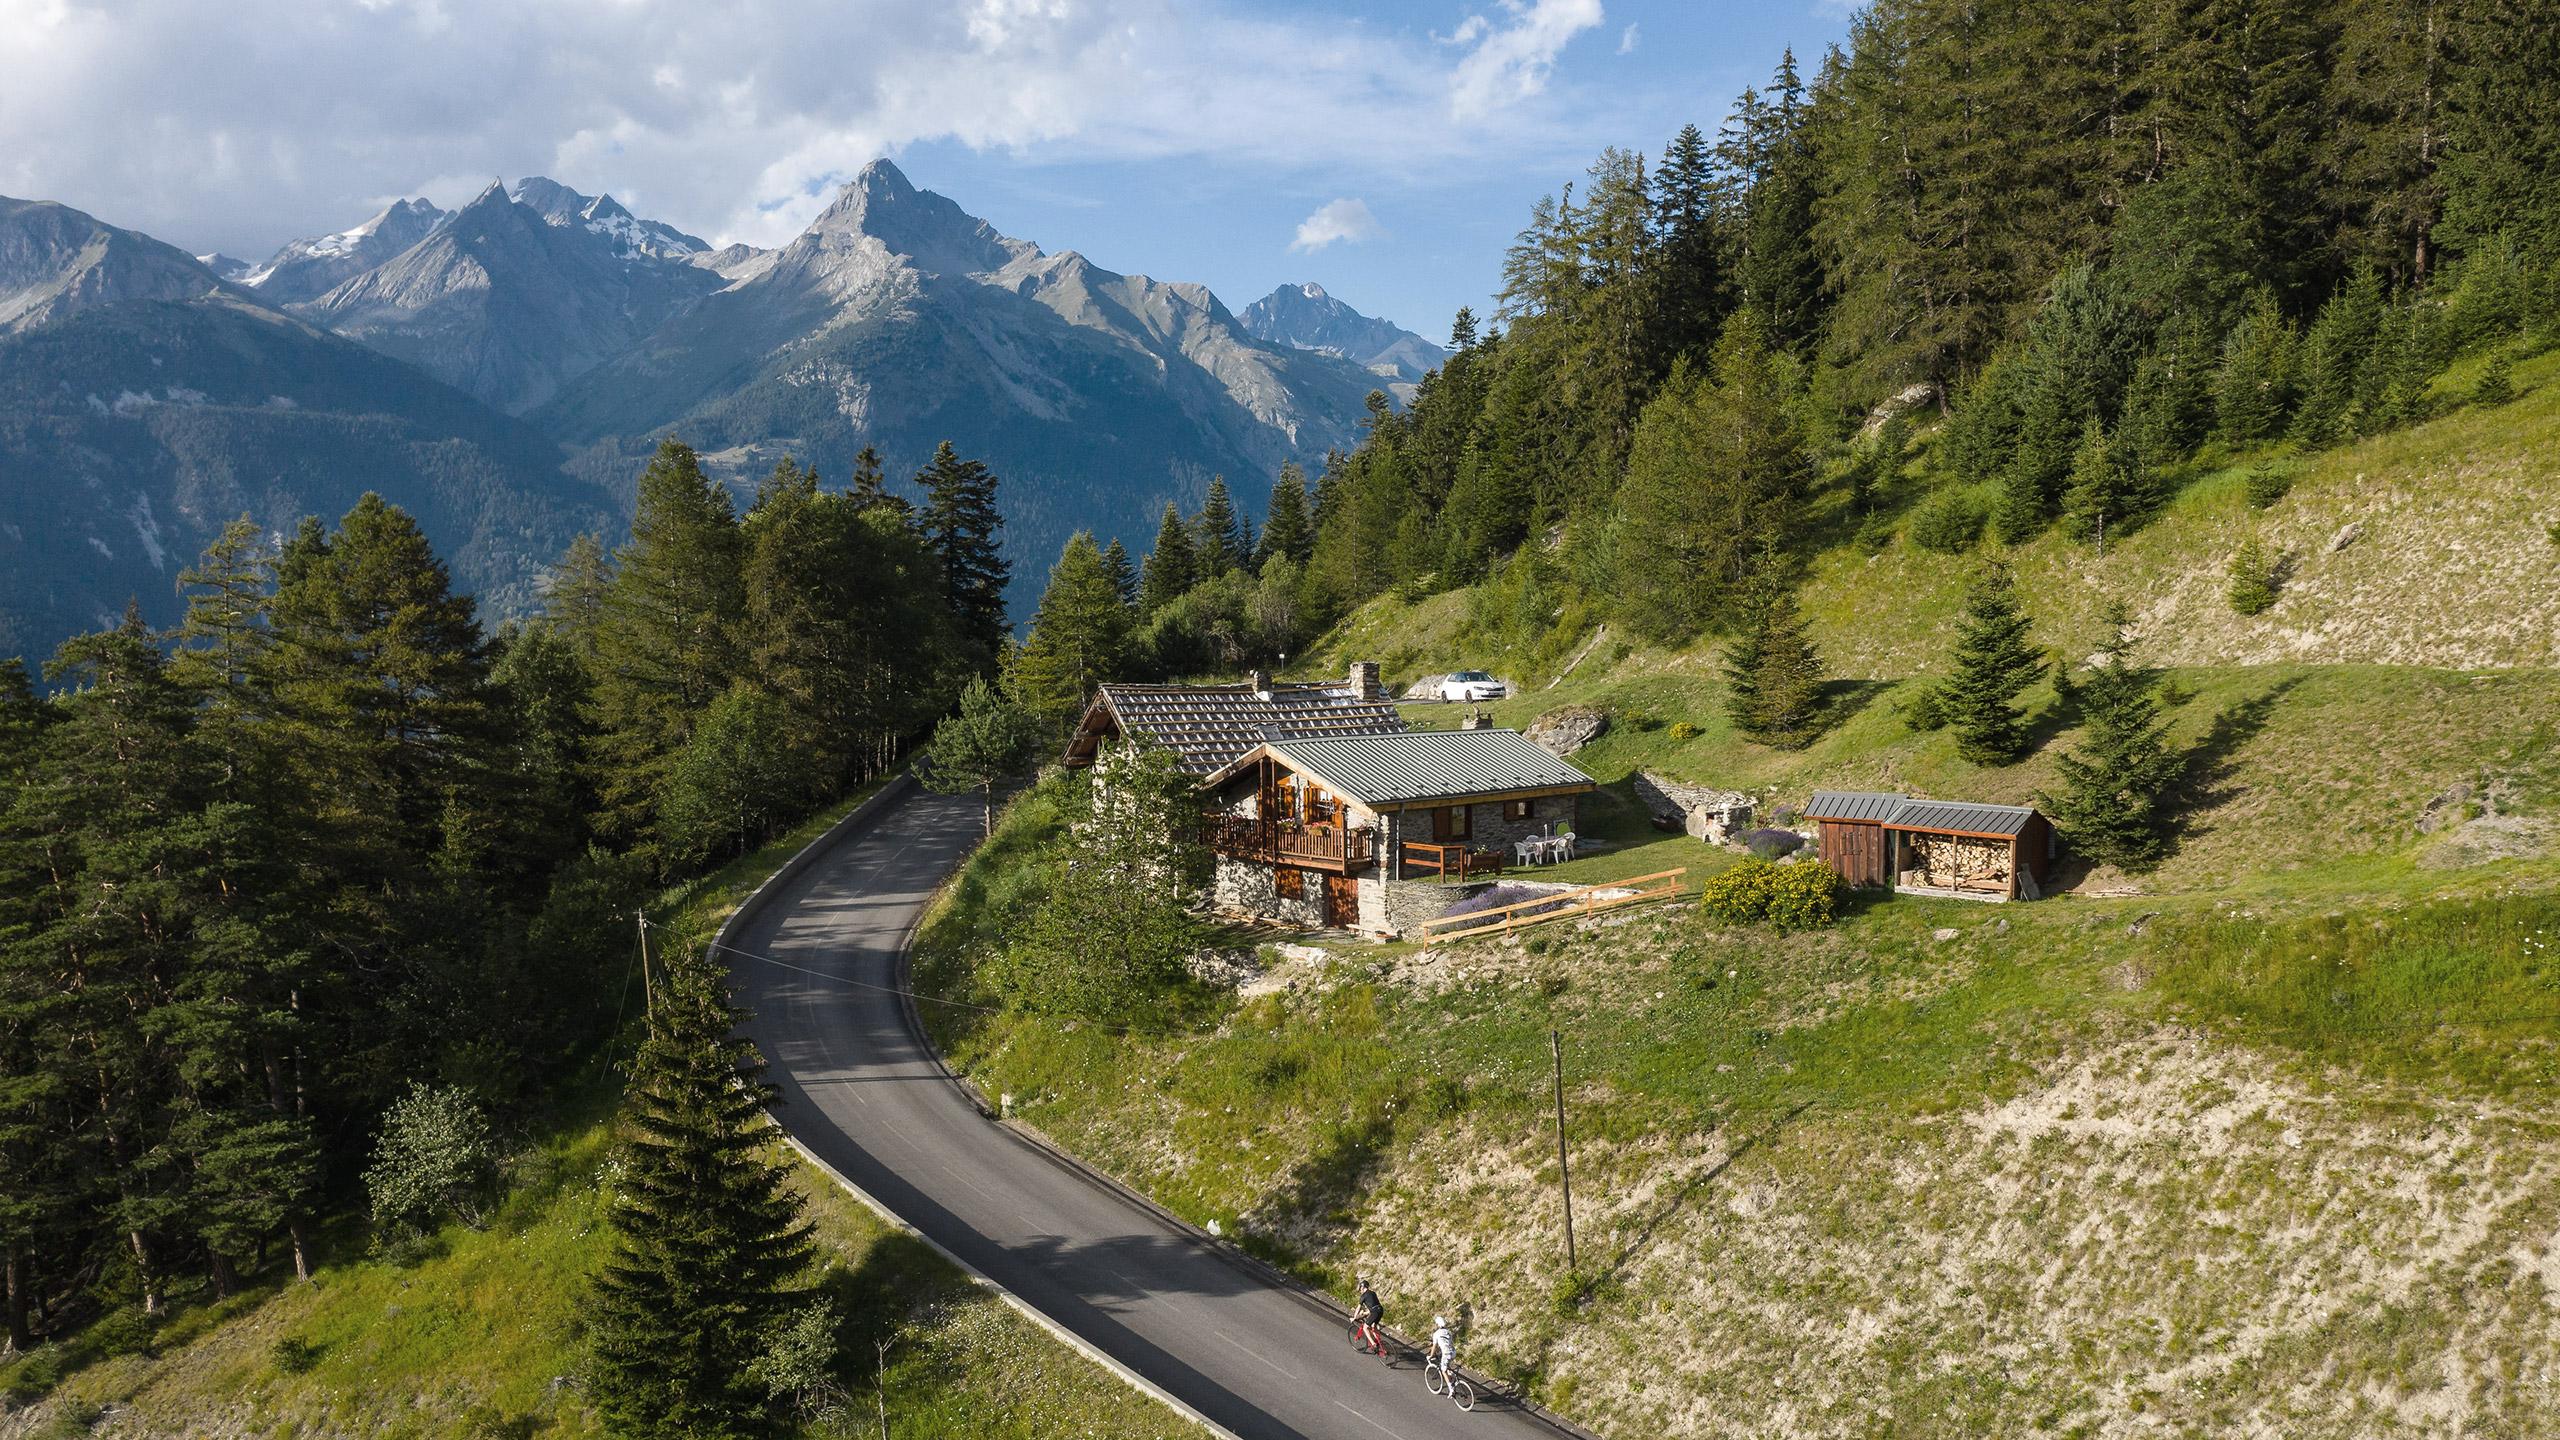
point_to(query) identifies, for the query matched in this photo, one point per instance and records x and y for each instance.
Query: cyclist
(1444, 1345)
(1371, 1314)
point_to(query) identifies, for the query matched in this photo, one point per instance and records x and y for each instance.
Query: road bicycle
(1442, 1382)
(1365, 1336)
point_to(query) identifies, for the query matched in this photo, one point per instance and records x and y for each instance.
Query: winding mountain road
(814, 961)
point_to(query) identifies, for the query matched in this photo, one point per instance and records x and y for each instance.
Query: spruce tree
(870, 488)
(1124, 574)
(1170, 567)
(2334, 356)
(1224, 539)
(2106, 492)
(1773, 675)
(1289, 530)
(2254, 392)
(2252, 589)
(2116, 782)
(1993, 665)
(966, 529)
(709, 1251)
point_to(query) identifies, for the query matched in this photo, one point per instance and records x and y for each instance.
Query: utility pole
(1564, 1168)
(648, 990)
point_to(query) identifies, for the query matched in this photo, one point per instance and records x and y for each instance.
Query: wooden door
(1341, 902)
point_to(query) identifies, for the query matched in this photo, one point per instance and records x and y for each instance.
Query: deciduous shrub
(1804, 895)
(1683, 730)
(436, 1155)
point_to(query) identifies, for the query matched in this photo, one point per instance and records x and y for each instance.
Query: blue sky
(1187, 139)
(1444, 221)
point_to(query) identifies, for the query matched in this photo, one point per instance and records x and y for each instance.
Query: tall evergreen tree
(669, 643)
(1124, 573)
(1717, 468)
(1224, 541)
(966, 529)
(1078, 638)
(2107, 489)
(1993, 665)
(576, 592)
(870, 488)
(1289, 531)
(2116, 783)
(1170, 567)
(2254, 392)
(709, 1251)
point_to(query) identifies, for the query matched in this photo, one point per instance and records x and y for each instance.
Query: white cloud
(1511, 61)
(1627, 41)
(237, 126)
(1337, 220)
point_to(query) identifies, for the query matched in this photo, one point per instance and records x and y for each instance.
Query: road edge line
(1022, 1307)
(896, 789)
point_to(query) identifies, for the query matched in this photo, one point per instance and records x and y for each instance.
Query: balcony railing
(1242, 837)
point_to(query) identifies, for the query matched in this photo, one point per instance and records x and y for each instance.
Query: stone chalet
(1324, 809)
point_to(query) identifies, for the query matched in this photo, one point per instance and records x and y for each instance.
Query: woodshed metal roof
(1210, 725)
(1902, 812)
(1425, 765)
(1852, 805)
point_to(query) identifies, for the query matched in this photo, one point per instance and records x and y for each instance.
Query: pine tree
(1170, 568)
(1223, 542)
(1462, 338)
(966, 529)
(1289, 530)
(668, 644)
(1079, 637)
(2116, 783)
(1993, 665)
(576, 592)
(709, 1249)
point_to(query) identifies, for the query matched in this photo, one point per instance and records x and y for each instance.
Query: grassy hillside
(476, 1333)
(2258, 1144)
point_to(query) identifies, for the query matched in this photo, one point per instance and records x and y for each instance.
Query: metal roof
(1852, 805)
(1960, 815)
(1387, 769)
(1901, 812)
(1210, 725)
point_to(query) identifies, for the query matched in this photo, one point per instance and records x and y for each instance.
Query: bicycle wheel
(1358, 1340)
(1432, 1379)
(1462, 1392)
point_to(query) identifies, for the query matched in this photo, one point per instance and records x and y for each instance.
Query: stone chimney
(1262, 683)
(1364, 680)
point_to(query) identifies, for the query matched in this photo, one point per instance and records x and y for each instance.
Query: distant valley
(503, 368)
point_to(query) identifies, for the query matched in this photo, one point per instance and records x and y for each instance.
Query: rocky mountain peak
(1302, 316)
(928, 229)
(56, 261)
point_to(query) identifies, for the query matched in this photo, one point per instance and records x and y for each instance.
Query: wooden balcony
(1330, 848)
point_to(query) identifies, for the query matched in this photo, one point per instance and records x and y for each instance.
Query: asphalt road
(861, 1090)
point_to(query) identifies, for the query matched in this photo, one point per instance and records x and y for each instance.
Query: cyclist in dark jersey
(1371, 1314)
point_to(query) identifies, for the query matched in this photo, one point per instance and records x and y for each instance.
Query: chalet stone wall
(1487, 829)
(1243, 886)
(1395, 907)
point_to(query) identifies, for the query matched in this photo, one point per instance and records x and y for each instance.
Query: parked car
(1470, 685)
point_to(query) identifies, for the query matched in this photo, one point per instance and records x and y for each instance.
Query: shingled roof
(1424, 764)
(1210, 725)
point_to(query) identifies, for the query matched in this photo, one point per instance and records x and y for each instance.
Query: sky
(1386, 150)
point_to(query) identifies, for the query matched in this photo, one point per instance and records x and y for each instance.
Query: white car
(1468, 686)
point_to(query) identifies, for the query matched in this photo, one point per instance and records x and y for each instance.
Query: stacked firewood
(1953, 862)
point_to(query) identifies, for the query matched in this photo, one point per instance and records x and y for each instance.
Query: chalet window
(1515, 809)
(1453, 824)
(1289, 884)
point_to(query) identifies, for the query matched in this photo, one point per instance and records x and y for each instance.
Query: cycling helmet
(1439, 1322)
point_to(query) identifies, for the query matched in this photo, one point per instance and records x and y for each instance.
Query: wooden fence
(1563, 905)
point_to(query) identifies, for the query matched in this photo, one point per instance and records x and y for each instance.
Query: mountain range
(1303, 317)
(504, 368)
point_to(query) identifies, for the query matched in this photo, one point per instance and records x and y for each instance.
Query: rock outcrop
(1569, 729)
